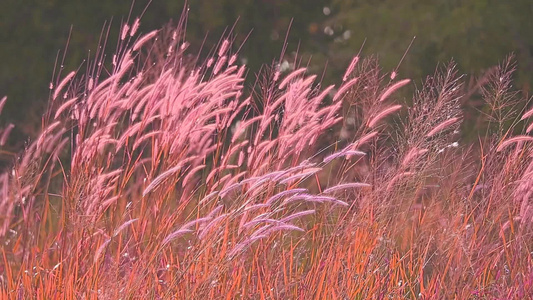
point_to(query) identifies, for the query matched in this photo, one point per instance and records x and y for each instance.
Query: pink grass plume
(2, 103)
(297, 215)
(5, 134)
(100, 249)
(350, 69)
(364, 139)
(513, 140)
(175, 235)
(223, 48)
(63, 83)
(529, 128)
(413, 154)
(372, 122)
(345, 186)
(442, 126)
(393, 88)
(65, 106)
(290, 77)
(527, 114)
(344, 88)
(125, 30)
(121, 227)
(135, 26)
(159, 179)
(342, 153)
(144, 39)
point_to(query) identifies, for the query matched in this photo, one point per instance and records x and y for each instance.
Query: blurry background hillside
(475, 33)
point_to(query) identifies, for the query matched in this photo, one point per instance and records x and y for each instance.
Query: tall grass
(158, 175)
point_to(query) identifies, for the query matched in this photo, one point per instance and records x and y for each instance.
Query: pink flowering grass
(158, 176)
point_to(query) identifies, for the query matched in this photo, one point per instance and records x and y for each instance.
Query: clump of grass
(159, 176)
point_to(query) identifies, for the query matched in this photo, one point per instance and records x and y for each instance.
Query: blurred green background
(477, 34)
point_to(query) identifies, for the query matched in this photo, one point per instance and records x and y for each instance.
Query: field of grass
(158, 175)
